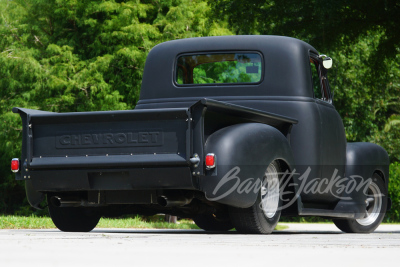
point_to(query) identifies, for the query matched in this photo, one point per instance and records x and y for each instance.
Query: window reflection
(219, 68)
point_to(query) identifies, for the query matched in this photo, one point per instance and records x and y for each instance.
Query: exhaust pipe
(170, 201)
(61, 203)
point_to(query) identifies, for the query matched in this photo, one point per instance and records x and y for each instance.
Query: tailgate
(105, 139)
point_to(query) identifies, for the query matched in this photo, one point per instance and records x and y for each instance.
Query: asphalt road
(299, 245)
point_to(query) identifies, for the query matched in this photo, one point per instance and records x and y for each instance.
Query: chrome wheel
(264, 214)
(374, 205)
(270, 192)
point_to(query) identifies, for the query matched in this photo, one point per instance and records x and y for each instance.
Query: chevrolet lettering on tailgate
(150, 138)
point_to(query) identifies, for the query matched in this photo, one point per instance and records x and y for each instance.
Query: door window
(319, 81)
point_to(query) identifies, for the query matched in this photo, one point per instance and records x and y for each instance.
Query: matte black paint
(364, 159)
(244, 125)
(286, 71)
(249, 146)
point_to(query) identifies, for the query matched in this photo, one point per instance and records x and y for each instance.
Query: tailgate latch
(195, 160)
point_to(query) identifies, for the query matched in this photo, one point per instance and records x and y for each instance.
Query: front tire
(73, 219)
(375, 210)
(263, 216)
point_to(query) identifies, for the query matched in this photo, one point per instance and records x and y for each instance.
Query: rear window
(221, 68)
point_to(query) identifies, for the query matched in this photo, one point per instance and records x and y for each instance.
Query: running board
(326, 213)
(349, 209)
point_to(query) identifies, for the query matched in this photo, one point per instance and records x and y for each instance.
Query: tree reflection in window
(219, 68)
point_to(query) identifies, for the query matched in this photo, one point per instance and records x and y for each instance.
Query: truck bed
(126, 150)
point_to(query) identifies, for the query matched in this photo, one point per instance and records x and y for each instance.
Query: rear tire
(210, 222)
(375, 210)
(263, 216)
(73, 219)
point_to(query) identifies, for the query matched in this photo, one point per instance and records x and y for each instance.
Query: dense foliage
(322, 23)
(394, 191)
(361, 36)
(69, 55)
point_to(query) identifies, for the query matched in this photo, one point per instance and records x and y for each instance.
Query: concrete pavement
(299, 245)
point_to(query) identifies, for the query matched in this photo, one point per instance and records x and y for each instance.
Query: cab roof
(286, 67)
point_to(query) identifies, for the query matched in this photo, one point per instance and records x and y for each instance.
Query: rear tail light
(210, 161)
(15, 165)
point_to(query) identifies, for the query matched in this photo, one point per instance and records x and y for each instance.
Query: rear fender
(34, 197)
(243, 153)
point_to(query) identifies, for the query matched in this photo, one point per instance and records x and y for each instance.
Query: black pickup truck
(231, 131)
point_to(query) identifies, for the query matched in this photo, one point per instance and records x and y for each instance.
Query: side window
(320, 83)
(315, 79)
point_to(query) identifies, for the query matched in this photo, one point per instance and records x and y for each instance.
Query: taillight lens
(15, 165)
(210, 161)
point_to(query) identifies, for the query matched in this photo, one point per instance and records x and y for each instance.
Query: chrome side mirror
(326, 61)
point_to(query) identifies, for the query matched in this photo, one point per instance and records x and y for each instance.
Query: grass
(35, 222)
(21, 222)
(281, 227)
(139, 223)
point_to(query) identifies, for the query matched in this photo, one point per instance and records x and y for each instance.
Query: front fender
(243, 153)
(362, 161)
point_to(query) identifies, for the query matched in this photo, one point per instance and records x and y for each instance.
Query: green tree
(362, 38)
(321, 22)
(366, 98)
(68, 55)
